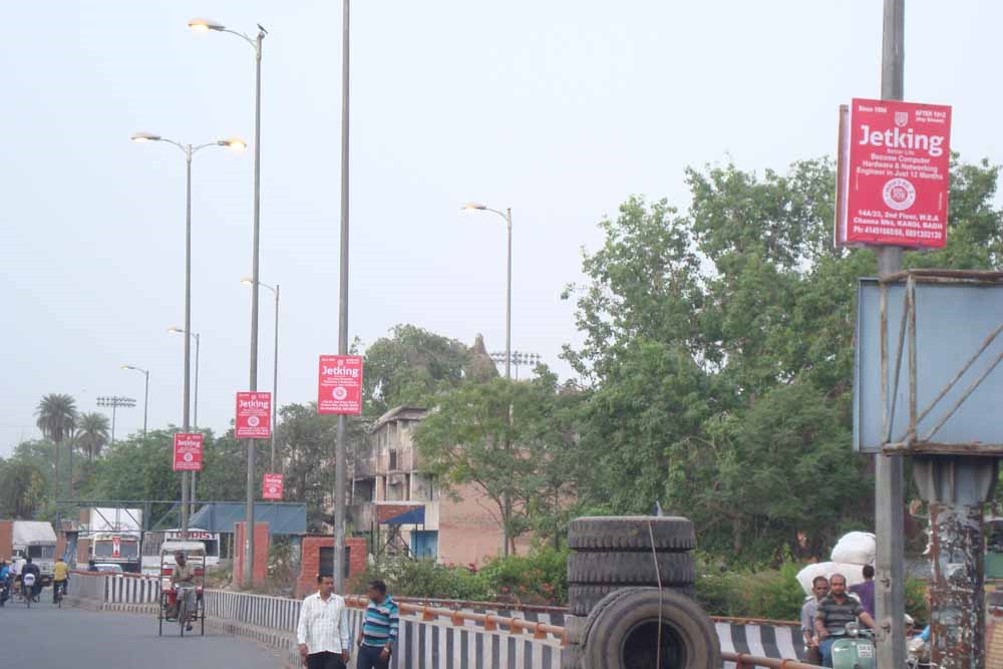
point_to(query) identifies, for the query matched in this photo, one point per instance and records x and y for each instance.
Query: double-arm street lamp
(189, 152)
(207, 25)
(146, 391)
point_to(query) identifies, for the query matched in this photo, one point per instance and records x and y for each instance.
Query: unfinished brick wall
(310, 561)
(6, 539)
(259, 571)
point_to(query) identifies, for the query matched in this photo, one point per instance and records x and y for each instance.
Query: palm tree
(92, 433)
(57, 416)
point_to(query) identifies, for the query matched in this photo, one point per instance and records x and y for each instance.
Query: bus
(153, 541)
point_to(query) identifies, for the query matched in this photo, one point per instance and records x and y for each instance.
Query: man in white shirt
(323, 635)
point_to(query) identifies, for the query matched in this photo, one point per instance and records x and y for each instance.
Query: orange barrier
(488, 621)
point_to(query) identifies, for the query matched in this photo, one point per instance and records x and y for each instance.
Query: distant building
(404, 511)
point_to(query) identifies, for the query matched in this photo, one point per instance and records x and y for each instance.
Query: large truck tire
(631, 533)
(622, 632)
(615, 567)
(574, 628)
(582, 599)
(572, 657)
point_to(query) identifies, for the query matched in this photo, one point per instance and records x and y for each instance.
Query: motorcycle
(854, 649)
(4, 593)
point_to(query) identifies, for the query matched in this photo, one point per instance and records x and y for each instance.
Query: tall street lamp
(189, 151)
(146, 392)
(198, 346)
(206, 25)
(275, 364)
(507, 215)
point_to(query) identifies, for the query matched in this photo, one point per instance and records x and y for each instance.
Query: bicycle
(58, 592)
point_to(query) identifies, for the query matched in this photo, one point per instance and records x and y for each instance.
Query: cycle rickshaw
(173, 603)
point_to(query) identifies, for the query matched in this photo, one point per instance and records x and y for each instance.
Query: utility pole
(889, 496)
(341, 449)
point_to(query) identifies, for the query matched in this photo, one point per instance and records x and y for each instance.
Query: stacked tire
(614, 572)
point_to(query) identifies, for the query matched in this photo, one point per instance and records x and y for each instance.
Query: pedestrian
(819, 590)
(834, 613)
(865, 591)
(322, 633)
(379, 629)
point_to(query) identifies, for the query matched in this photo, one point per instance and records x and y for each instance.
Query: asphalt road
(45, 637)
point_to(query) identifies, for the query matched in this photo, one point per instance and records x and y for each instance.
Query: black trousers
(369, 658)
(324, 660)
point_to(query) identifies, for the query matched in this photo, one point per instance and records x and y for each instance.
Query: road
(47, 637)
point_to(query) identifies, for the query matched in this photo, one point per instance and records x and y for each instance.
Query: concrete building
(402, 510)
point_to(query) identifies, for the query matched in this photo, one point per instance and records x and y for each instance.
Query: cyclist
(33, 588)
(60, 579)
(183, 580)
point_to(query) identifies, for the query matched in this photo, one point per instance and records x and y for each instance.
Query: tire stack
(612, 578)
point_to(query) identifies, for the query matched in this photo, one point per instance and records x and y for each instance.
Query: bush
(538, 578)
(423, 578)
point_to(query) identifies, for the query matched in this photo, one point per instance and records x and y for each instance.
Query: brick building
(403, 510)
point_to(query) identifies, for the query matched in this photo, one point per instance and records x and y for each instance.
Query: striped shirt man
(379, 629)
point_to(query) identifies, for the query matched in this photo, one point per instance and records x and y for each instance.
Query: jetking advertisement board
(893, 174)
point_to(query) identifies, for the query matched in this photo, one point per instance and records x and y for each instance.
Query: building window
(393, 460)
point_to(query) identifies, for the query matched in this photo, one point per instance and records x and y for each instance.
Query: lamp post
(519, 359)
(189, 151)
(275, 364)
(113, 401)
(507, 215)
(206, 25)
(146, 391)
(195, 400)
(198, 346)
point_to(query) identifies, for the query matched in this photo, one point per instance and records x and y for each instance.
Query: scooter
(854, 649)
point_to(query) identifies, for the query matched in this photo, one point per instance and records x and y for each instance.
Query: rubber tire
(572, 657)
(574, 628)
(631, 533)
(582, 599)
(620, 613)
(674, 569)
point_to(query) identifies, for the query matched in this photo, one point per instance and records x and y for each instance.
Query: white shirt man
(323, 634)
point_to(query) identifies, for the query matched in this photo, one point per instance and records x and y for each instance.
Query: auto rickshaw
(172, 607)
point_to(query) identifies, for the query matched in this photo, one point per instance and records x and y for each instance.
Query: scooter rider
(36, 585)
(834, 613)
(4, 582)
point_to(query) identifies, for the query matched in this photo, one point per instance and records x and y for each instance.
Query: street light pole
(206, 25)
(189, 152)
(146, 392)
(341, 448)
(198, 345)
(275, 365)
(507, 216)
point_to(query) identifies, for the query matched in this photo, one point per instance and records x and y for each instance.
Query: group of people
(832, 606)
(28, 578)
(324, 635)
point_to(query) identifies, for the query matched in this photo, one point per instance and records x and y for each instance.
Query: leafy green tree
(409, 366)
(718, 353)
(23, 489)
(498, 437)
(56, 417)
(92, 433)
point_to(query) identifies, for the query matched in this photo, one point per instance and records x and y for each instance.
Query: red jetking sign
(188, 452)
(254, 415)
(339, 385)
(892, 174)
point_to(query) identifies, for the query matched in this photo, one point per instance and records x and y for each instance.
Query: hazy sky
(560, 109)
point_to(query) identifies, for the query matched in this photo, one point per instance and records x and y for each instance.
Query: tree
(22, 489)
(501, 438)
(57, 417)
(718, 353)
(410, 366)
(92, 433)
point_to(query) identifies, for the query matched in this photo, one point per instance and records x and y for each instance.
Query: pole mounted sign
(893, 169)
(188, 451)
(339, 385)
(271, 487)
(254, 415)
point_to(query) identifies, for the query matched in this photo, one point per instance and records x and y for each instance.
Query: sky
(560, 110)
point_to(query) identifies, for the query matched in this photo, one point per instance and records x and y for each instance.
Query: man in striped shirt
(379, 630)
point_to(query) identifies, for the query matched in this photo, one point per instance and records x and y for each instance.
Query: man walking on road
(323, 635)
(379, 629)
